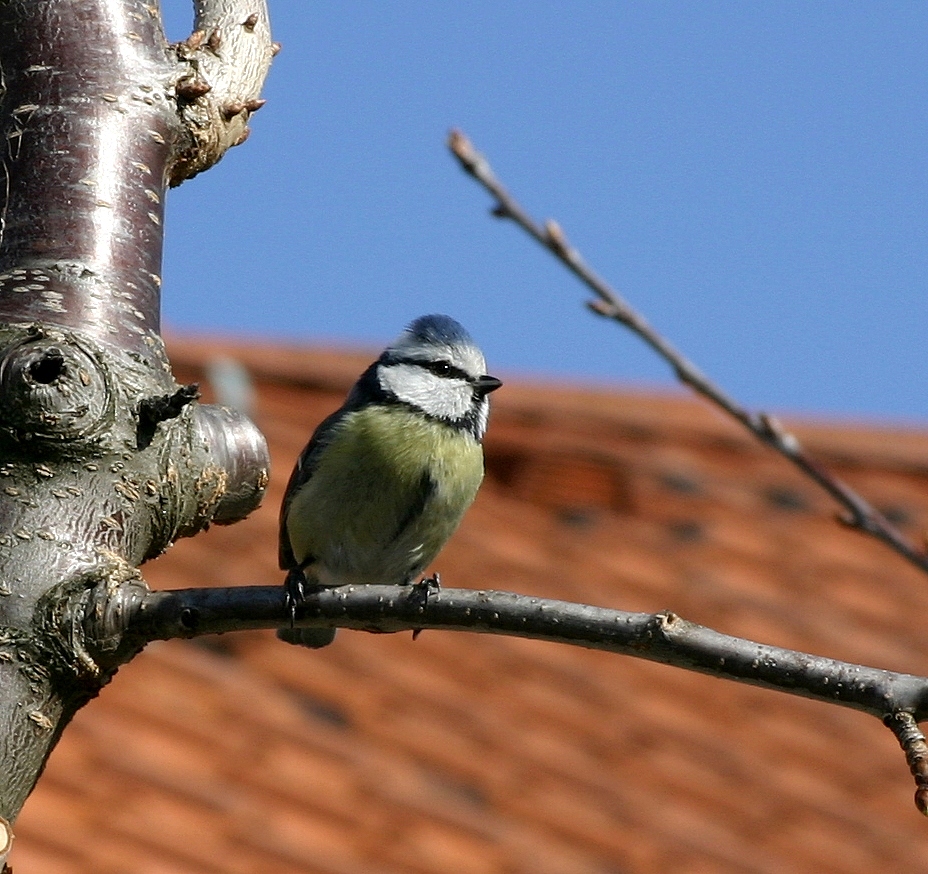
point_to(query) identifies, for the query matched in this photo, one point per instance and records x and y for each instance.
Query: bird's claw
(422, 589)
(420, 592)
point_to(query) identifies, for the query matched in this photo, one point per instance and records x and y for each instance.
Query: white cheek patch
(436, 396)
(483, 416)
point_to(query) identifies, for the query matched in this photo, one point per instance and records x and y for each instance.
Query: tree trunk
(104, 459)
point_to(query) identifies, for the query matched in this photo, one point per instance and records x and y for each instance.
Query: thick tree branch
(221, 70)
(859, 514)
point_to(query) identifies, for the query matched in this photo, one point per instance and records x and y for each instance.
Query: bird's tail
(314, 638)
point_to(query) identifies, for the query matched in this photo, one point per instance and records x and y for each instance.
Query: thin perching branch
(663, 637)
(898, 700)
(859, 514)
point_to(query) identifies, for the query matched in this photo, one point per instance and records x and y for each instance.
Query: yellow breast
(389, 490)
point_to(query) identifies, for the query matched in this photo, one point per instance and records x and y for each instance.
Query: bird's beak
(485, 384)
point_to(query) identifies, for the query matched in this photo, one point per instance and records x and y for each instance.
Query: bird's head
(435, 367)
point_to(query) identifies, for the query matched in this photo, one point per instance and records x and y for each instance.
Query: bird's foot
(424, 587)
(421, 591)
(296, 588)
(295, 592)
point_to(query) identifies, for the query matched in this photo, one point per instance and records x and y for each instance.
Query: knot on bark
(53, 388)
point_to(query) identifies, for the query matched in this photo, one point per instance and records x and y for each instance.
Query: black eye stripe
(442, 368)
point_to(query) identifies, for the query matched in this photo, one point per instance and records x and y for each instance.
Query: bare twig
(859, 514)
(904, 725)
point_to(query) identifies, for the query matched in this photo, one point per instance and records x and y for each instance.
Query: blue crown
(440, 330)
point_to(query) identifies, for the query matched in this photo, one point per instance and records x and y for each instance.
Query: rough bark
(104, 458)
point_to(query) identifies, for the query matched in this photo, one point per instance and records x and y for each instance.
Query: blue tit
(386, 479)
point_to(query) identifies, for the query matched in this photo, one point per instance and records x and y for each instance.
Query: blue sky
(752, 177)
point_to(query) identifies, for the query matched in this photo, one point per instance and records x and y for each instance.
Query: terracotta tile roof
(487, 755)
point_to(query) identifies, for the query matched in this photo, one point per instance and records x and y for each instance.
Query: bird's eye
(440, 368)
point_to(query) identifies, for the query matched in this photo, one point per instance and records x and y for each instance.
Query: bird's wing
(424, 491)
(305, 467)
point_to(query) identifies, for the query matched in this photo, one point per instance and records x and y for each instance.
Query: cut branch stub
(77, 472)
(238, 450)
